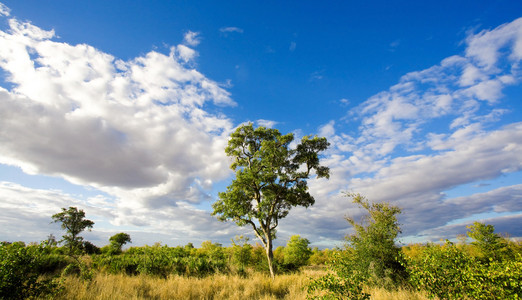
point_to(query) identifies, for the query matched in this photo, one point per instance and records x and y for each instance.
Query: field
(218, 286)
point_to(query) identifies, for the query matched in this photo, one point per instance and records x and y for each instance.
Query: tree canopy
(271, 178)
(74, 222)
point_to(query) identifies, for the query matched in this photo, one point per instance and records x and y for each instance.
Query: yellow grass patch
(219, 286)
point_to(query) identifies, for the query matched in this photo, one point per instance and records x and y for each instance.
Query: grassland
(218, 286)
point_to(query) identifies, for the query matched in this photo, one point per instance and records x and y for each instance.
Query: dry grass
(258, 286)
(255, 286)
(400, 294)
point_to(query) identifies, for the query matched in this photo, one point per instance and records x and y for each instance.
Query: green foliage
(342, 282)
(371, 257)
(162, 261)
(117, 241)
(241, 252)
(449, 272)
(20, 269)
(90, 248)
(490, 268)
(74, 222)
(296, 253)
(270, 179)
(491, 244)
(373, 243)
(439, 270)
(319, 257)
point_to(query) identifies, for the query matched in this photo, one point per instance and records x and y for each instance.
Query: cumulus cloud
(461, 87)
(135, 129)
(192, 38)
(400, 156)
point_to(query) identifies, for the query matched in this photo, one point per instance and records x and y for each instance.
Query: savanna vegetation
(370, 266)
(270, 180)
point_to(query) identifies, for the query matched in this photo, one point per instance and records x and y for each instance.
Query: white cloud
(231, 29)
(4, 10)
(266, 123)
(25, 215)
(327, 130)
(192, 38)
(433, 131)
(185, 53)
(134, 129)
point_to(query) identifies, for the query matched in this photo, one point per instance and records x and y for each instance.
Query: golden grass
(400, 294)
(219, 286)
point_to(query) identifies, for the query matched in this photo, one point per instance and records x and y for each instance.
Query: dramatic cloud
(135, 129)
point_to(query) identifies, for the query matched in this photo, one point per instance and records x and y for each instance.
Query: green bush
(163, 260)
(371, 257)
(440, 270)
(296, 253)
(344, 281)
(448, 272)
(19, 272)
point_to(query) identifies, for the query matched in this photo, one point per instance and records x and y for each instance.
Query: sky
(123, 109)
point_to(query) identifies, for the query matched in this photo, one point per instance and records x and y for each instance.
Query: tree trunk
(270, 255)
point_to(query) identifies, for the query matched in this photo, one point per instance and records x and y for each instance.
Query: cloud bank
(137, 129)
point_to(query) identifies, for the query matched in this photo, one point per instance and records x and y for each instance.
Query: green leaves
(270, 178)
(374, 242)
(74, 222)
(20, 270)
(449, 272)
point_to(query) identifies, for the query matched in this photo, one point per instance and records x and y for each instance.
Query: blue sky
(124, 109)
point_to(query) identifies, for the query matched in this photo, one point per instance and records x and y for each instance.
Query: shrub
(296, 253)
(342, 282)
(19, 276)
(448, 272)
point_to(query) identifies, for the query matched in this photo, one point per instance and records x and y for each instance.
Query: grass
(219, 286)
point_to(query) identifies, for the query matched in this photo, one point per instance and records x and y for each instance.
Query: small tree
(491, 244)
(241, 252)
(74, 222)
(118, 240)
(296, 252)
(370, 258)
(373, 242)
(270, 180)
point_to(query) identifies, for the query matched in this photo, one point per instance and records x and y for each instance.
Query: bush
(296, 253)
(342, 282)
(19, 276)
(371, 257)
(448, 272)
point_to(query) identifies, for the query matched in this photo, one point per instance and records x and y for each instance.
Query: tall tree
(270, 180)
(74, 222)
